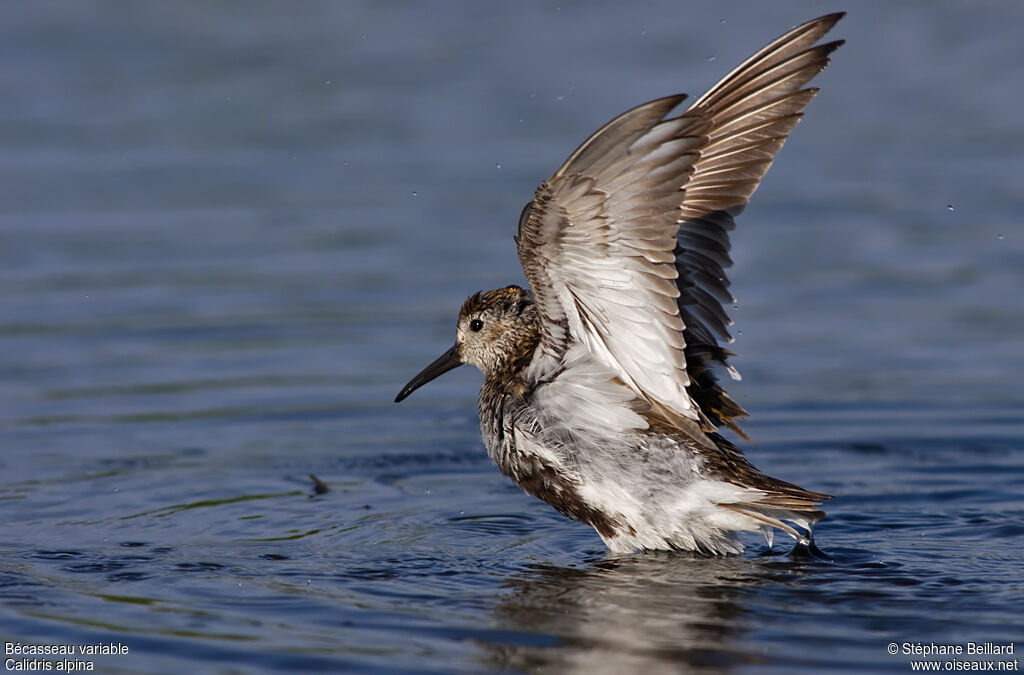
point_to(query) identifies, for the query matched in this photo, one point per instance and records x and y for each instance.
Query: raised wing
(625, 246)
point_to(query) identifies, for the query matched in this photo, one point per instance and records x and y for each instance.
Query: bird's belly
(639, 491)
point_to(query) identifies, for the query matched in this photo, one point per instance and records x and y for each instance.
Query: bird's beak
(447, 361)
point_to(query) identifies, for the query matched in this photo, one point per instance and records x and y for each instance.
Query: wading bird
(599, 395)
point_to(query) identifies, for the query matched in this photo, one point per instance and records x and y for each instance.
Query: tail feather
(773, 515)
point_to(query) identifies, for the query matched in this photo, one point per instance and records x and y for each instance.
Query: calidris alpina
(598, 393)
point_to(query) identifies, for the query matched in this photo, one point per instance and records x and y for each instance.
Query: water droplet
(949, 207)
(559, 98)
(497, 165)
(363, 36)
(1000, 237)
(327, 82)
(711, 57)
(722, 21)
(739, 332)
(344, 163)
(643, 32)
(415, 194)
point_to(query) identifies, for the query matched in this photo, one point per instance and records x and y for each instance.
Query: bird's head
(497, 330)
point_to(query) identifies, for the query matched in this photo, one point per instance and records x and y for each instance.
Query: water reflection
(650, 613)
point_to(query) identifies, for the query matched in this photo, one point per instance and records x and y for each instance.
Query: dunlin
(599, 393)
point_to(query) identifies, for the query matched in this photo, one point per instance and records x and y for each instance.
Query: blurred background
(231, 231)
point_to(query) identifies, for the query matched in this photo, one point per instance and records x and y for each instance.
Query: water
(230, 232)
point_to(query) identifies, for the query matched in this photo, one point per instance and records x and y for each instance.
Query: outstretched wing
(625, 246)
(751, 112)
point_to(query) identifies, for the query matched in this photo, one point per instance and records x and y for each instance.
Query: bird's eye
(475, 325)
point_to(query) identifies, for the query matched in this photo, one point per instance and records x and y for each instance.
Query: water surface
(230, 232)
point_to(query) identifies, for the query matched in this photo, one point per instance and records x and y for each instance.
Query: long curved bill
(447, 361)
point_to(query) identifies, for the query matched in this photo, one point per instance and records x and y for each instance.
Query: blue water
(230, 232)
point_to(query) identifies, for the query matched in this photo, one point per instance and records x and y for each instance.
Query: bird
(601, 392)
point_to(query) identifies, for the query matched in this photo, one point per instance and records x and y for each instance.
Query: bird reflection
(654, 613)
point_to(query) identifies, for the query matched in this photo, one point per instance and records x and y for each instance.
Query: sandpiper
(599, 395)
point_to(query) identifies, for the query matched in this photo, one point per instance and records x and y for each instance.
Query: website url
(954, 665)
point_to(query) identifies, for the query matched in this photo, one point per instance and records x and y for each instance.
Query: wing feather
(625, 246)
